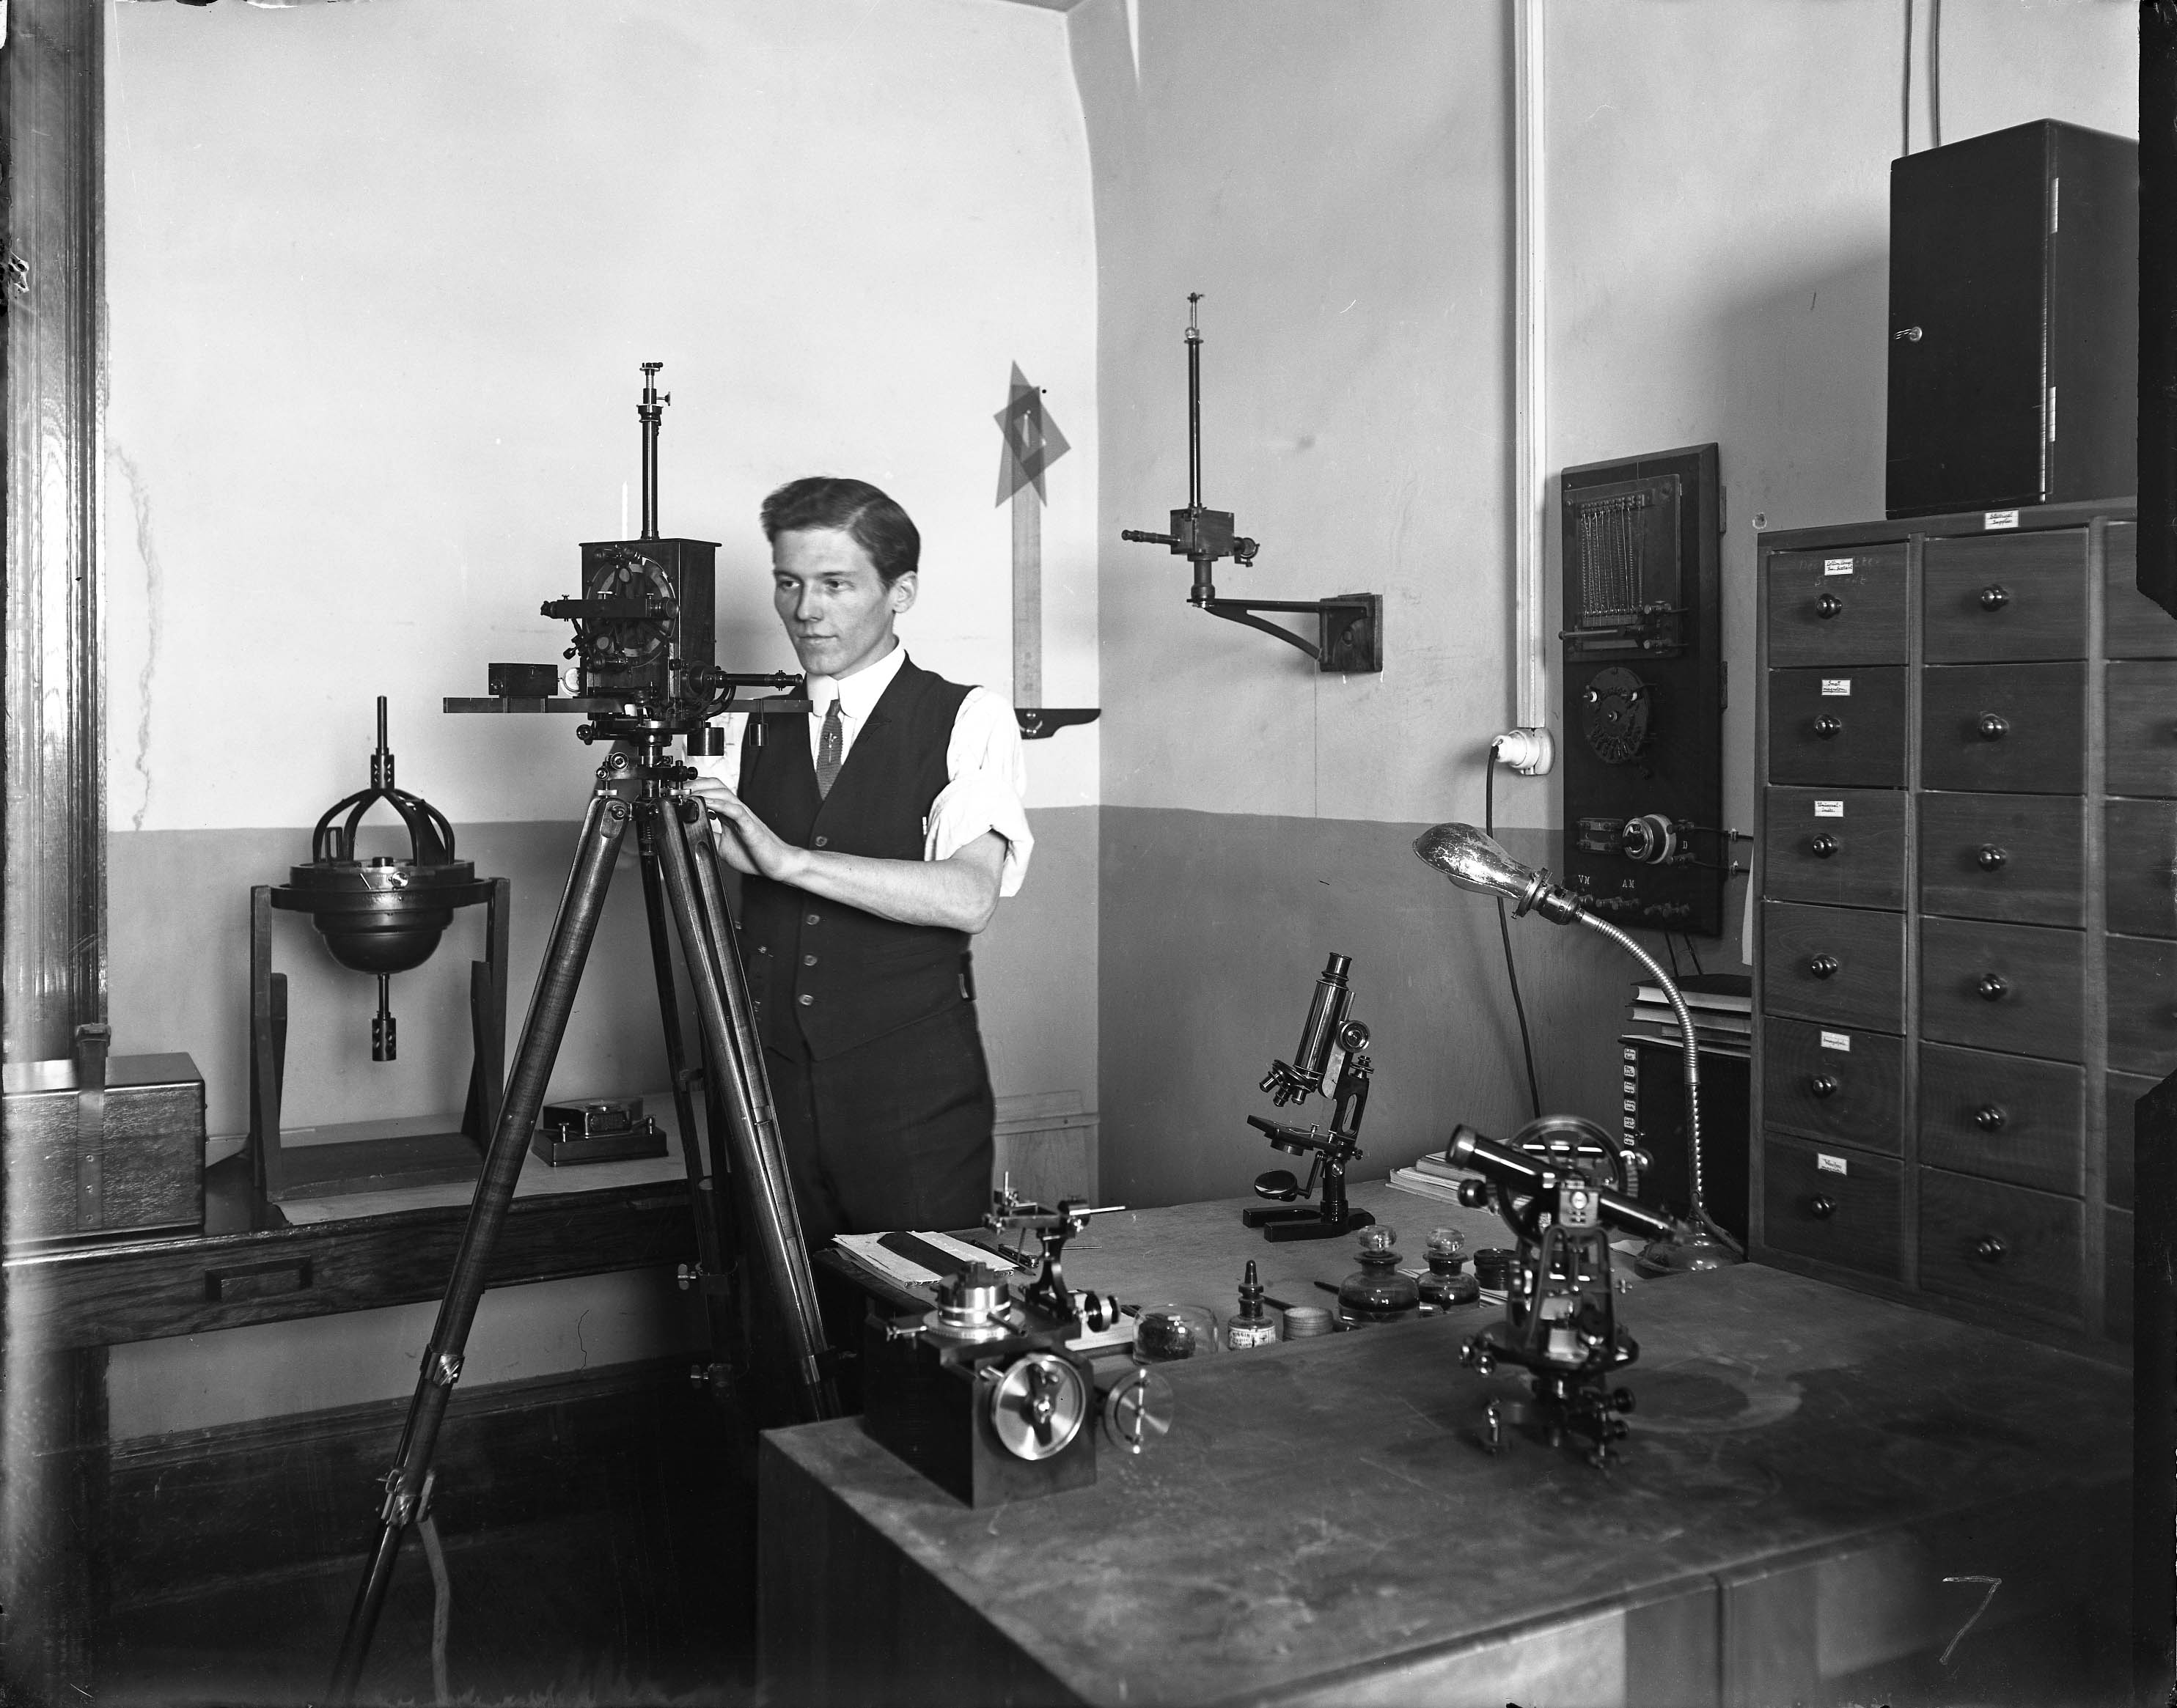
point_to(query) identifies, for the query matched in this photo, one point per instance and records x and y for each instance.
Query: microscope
(1333, 1059)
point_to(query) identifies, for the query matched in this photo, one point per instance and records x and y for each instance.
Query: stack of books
(1721, 1004)
(1431, 1177)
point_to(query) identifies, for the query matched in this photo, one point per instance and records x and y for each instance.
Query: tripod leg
(722, 1009)
(407, 1484)
(712, 1278)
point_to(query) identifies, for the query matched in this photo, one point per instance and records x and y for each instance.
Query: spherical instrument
(613, 646)
(1038, 1406)
(1615, 708)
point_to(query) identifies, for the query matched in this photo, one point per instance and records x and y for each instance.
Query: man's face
(836, 609)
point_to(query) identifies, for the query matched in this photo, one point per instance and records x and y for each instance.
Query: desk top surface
(1335, 1491)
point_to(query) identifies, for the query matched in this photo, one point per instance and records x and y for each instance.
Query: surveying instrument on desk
(643, 640)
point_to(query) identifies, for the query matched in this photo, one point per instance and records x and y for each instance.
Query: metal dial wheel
(623, 645)
(1615, 708)
(1038, 1407)
(1136, 1407)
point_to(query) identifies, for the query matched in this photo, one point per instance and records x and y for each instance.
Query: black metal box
(678, 578)
(2014, 321)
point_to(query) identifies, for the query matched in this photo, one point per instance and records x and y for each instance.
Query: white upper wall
(380, 279)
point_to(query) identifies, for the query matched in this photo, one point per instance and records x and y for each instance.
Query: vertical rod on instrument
(381, 761)
(603, 827)
(1193, 405)
(381, 1028)
(650, 411)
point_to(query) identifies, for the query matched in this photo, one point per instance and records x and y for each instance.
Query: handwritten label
(1631, 1107)
(1836, 566)
(1630, 1054)
(1829, 809)
(1837, 1041)
(1830, 1165)
(1836, 688)
(1999, 519)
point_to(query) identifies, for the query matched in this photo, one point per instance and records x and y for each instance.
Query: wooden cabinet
(1966, 881)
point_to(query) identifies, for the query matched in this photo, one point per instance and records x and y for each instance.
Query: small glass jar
(1166, 1333)
(1376, 1292)
(1447, 1286)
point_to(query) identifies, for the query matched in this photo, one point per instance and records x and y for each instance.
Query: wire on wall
(1935, 80)
(1905, 92)
(1505, 931)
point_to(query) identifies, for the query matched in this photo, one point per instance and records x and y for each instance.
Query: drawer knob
(1994, 727)
(1992, 988)
(1829, 605)
(1820, 1208)
(1989, 1117)
(1825, 966)
(1988, 1249)
(1991, 858)
(1823, 846)
(1829, 728)
(1823, 1085)
(1907, 334)
(1994, 598)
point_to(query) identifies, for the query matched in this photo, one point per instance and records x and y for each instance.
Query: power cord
(1505, 931)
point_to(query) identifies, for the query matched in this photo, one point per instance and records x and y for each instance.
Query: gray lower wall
(1214, 928)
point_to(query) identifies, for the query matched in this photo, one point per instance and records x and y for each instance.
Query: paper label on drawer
(1828, 1164)
(1632, 1108)
(1999, 519)
(1836, 566)
(1829, 809)
(1837, 1041)
(1630, 1054)
(1836, 686)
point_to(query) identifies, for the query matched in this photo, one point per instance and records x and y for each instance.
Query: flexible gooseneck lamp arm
(1476, 863)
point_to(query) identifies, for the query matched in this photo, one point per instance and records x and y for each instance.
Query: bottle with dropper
(1250, 1325)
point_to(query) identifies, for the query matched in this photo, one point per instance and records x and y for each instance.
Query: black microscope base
(1303, 1224)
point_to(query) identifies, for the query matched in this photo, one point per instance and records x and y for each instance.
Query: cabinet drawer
(2143, 1005)
(1846, 606)
(1845, 846)
(2123, 1092)
(2005, 596)
(1837, 726)
(2017, 988)
(2004, 1117)
(2000, 1245)
(2141, 887)
(1824, 1082)
(2017, 727)
(1840, 964)
(1839, 1206)
(2133, 625)
(2004, 856)
(2143, 728)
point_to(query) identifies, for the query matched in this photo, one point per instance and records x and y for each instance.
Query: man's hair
(858, 509)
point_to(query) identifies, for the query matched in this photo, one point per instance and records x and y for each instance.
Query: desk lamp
(1475, 861)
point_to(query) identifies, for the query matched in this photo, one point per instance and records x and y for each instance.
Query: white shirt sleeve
(989, 776)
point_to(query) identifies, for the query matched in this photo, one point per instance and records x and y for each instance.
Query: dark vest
(830, 974)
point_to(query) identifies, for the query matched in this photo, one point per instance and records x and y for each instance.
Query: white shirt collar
(859, 693)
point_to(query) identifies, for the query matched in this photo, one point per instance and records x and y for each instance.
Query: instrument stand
(640, 782)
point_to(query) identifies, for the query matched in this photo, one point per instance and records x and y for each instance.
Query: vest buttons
(805, 999)
(808, 960)
(810, 920)
(823, 841)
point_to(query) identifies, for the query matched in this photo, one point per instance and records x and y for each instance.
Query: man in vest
(871, 851)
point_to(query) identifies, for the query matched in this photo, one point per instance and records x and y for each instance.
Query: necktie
(828, 750)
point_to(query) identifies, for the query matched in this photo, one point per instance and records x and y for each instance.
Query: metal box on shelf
(99, 1146)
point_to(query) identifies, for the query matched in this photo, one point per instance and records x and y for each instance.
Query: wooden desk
(248, 1265)
(1807, 1467)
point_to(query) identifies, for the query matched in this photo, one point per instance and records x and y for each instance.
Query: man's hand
(960, 893)
(748, 844)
